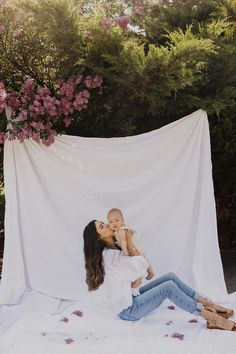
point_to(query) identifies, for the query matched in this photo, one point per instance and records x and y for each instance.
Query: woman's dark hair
(93, 247)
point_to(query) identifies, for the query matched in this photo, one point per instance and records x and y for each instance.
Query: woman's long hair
(93, 247)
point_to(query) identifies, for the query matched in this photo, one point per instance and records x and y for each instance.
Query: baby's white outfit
(136, 243)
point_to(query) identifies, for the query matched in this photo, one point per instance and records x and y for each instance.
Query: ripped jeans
(168, 286)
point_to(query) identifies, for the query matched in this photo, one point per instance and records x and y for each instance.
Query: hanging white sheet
(162, 181)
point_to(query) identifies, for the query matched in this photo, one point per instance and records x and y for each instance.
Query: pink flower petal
(171, 307)
(177, 335)
(69, 340)
(194, 320)
(77, 313)
(65, 319)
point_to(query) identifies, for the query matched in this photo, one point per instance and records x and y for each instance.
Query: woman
(106, 265)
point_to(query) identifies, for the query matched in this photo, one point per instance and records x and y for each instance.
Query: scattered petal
(194, 320)
(77, 313)
(69, 340)
(177, 335)
(171, 307)
(65, 319)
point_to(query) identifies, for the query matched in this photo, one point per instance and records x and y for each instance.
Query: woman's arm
(136, 283)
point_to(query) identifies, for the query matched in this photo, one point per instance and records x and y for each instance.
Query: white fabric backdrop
(162, 180)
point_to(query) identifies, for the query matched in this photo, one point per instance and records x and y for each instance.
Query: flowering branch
(39, 113)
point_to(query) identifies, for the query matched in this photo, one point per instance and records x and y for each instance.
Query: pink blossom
(3, 96)
(67, 121)
(65, 106)
(52, 112)
(28, 86)
(36, 137)
(138, 7)
(38, 112)
(81, 100)
(23, 115)
(93, 82)
(79, 79)
(67, 90)
(43, 91)
(49, 141)
(2, 137)
(106, 24)
(88, 81)
(12, 101)
(37, 125)
(25, 98)
(97, 81)
(123, 22)
(85, 93)
(27, 131)
(36, 103)
(48, 125)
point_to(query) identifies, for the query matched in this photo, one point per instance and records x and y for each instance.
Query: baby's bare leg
(150, 273)
(124, 247)
(123, 242)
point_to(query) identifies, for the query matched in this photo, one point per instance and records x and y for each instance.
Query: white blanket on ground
(162, 181)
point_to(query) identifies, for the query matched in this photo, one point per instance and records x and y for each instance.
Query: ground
(229, 265)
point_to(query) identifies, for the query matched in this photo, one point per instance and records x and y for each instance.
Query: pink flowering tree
(40, 113)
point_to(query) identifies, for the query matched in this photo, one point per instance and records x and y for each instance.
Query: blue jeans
(154, 293)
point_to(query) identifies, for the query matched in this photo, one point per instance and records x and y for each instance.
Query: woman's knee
(172, 276)
(170, 286)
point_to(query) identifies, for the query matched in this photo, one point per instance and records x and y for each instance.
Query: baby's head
(115, 219)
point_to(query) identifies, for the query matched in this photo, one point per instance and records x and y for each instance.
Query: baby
(116, 222)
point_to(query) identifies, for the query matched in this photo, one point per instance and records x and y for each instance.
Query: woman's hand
(136, 283)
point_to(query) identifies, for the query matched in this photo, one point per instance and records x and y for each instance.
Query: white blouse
(120, 271)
